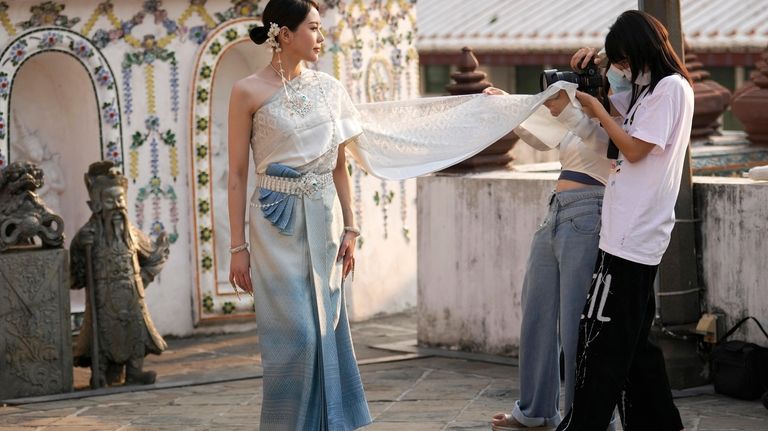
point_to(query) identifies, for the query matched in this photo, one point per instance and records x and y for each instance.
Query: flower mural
(5, 85)
(152, 42)
(239, 8)
(2, 133)
(110, 114)
(50, 39)
(42, 39)
(18, 52)
(198, 33)
(48, 13)
(104, 77)
(81, 48)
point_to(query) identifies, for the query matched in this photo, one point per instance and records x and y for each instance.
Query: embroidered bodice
(307, 139)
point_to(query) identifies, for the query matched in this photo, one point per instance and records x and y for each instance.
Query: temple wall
(158, 115)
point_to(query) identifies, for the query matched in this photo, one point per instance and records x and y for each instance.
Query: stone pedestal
(750, 103)
(35, 335)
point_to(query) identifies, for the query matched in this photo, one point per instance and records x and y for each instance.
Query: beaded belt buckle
(309, 183)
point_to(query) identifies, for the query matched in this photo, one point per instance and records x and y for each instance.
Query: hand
(557, 103)
(163, 244)
(589, 104)
(240, 271)
(346, 252)
(583, 56)
(493, 91)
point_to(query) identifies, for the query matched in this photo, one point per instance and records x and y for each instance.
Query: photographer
(617, 364)
(559, 271)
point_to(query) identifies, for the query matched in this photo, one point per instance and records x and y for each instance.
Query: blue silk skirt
(311, 379)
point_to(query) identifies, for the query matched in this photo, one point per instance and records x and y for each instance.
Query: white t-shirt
(639, 203)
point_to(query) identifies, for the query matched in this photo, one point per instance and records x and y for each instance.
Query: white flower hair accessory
(272, 34)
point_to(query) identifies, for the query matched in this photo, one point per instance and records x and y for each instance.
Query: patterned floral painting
(141, 57)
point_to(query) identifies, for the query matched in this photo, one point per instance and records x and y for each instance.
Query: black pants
(616, 362)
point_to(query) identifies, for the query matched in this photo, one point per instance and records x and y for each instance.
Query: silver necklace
(296, 101)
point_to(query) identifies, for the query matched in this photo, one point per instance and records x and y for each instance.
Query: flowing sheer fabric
(402, 139)
(408, 138)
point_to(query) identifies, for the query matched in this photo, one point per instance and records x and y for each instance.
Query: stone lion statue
(23, 215)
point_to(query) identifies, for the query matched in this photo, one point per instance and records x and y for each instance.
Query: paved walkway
(213, 383)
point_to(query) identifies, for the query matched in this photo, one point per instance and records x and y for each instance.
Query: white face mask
(619, 82)
(643, 79)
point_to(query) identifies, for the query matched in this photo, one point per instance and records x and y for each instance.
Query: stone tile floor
(212, 383)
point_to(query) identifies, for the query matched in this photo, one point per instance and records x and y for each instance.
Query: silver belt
(304, 185)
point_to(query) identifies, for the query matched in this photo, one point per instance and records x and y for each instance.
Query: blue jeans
(557, 280)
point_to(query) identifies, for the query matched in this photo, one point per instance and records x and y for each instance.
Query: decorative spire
(711, 98)
(468, 79)
(750, 103)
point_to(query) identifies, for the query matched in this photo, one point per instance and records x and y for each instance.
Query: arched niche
(54, 124)
(225, 57)
(103, 86)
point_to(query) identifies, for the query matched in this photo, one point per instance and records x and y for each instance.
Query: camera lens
(547, 78)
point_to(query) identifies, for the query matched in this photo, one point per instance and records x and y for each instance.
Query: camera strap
(634, 105)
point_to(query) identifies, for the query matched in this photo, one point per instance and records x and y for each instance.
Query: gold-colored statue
(115, 261)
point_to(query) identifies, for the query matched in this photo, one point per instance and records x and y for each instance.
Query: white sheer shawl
(397, 140)
(408, 138)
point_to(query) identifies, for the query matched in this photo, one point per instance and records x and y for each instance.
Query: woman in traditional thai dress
(302, 230)
(298, 123)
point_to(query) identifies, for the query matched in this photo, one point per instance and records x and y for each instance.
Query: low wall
(734, 238)
(474, 237)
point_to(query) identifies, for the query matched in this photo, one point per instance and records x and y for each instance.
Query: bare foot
(505, 422)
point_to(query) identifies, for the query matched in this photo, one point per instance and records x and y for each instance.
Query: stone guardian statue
(23, 215)
(123, 262)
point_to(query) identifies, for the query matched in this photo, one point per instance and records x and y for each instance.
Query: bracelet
(239, 248)
(353, 230)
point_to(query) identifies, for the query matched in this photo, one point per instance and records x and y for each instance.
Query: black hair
(643, 41)
(284, 13)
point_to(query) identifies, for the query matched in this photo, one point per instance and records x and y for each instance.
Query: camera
(589, 80)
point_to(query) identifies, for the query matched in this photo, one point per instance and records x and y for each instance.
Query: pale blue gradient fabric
(311, 379)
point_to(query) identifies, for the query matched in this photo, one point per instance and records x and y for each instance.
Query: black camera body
(589, 80)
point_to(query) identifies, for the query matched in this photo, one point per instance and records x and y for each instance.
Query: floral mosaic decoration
(66, 41)
(239, 9)
(200, 133)
(150, 47)
(148, 53)
(383, 28)
(48, 14)
(386, 31)
(155, 191)
(5, 21)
